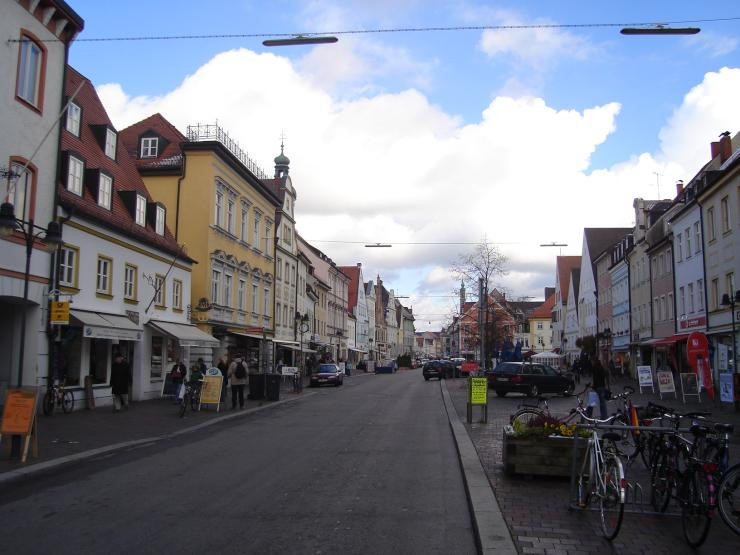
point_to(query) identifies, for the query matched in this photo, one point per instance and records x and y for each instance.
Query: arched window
(31, 70)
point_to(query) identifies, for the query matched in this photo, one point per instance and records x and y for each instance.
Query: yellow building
(223, 213)
(540, 326)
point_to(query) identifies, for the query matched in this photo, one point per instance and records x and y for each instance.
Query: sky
(518, 137)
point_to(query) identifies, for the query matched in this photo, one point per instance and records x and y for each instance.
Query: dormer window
(110, 143)
(105, 186)
(149, 147)
(74, 116)
(75, 171)
(159, 220)
(140, 210)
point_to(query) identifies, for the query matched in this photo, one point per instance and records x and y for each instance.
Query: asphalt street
(369, 467)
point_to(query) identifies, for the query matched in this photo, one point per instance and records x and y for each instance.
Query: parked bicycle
(728, 498)
(57, 395)
(528, 412)
(190, 398)
(601, 477)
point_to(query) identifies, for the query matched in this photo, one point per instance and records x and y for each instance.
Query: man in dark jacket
(120, 376)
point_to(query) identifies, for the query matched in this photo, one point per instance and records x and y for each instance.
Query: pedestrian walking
(223, 366)
(600, 385)
(178, 373)
(120, 376)
(237, 379)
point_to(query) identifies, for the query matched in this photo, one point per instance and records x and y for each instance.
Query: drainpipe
(179, 183)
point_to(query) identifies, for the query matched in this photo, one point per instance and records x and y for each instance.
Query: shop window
(31, 68)
(70, 354)
(99, 360)
(156, 361)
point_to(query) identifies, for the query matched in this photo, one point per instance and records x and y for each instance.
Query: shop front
(253, 348)
(286, 352)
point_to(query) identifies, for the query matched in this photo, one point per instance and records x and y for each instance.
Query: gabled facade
(620, 296)
(563, 267)
(571, 329)
(357, 307)
(37, 36)
(222, 209)
(128, 278)
(540, 326)
(369, 294)
(317, 287)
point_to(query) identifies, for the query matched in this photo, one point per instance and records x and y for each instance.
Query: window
(68, 257)
(268, 238)
(20, 189)
(286, 234)
(254, 298)
(668, 261)
(539, 324)
(160, 289)
(74, 116)
(31, 61)
(244, 224)
(75, 170)
(285, 314)
(256, 237)
(267, 303)
(277, 315)
(656, 308)
(679, 247)
(149, 147)
(682, 296)
(140, 215)
(687, 235)
(242, 293)
(711, 231)
(670, 306)
(110, 143)
(218, 216)
(715, 294)
(691, 298)
(159, 223)
(700, 291)
(287, 273)
(279, 269)
(663, 312)
(230, 216)
(730, 284)
(105, 185)
(697, 238)
(228, 285)
(724, 210)
(103, 284)
(130, 282)
(292, 274)
(216, 287)
(176, 294)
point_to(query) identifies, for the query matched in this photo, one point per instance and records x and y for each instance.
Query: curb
(492, 534)
(54, 464)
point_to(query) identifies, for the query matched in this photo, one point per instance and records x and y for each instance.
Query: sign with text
(645, 377)
(726, 387)
(289, 370)
(59, 313)
(19, 412)
(665, 382)
(210, 391)
(213, 371)
(478, 391)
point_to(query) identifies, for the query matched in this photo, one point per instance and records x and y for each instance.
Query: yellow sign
(19, 411)
(210, 392)
(478, 391)
(59, 312)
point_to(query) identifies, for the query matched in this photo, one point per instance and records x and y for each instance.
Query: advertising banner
(645, 377)
(726, 387)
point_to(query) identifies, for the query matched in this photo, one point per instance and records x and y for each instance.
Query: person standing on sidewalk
(600, 383)
(237, 379)
(179, 371)
(223, 366)
(120, 376)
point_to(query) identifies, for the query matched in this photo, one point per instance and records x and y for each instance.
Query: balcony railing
(214, 132)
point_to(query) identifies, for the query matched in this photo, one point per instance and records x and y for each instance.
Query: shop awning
(356, 350)
(186, 334)
(284, 343)
(101, 325)
(250, 335)
(665, 341)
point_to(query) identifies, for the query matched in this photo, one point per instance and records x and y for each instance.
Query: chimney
(679, 188)
(725, 146)
(715, 149)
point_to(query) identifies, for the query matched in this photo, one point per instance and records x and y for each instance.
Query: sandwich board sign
(645, 377)
(689, 386)
(665, 383)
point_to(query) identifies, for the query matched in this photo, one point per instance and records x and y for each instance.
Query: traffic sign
(59, 313)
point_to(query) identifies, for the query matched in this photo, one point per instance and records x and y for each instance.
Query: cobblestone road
(536, 509)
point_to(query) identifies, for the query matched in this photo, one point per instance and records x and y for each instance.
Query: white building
(369, 294)
(36, 45)
(571, 330)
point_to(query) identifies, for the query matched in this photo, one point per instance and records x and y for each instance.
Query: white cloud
(713, 44)
(394, 167)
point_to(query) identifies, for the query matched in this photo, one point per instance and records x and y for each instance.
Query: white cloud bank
(394, 167)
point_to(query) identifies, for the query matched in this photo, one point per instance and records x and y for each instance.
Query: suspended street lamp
(660, 30)
(300, 39)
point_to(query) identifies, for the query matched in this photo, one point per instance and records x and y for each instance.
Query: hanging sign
(726, 387)
(59, 313)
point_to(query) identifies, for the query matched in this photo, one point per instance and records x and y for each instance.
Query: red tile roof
(353, 272)
(545, 309)
(123, 170)
(564, 266)
(169, 156)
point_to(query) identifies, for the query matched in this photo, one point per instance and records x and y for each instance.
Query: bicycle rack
(635, 501)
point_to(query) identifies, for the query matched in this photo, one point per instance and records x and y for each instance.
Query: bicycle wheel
(48, 404)
(194, 400)
(728, 498)
(660, 493)
(68, 402)
(612, 497)
(183, 406)
(696, 514)
(525, 416)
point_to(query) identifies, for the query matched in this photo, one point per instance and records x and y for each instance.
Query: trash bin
(256, 386)
(272, 387)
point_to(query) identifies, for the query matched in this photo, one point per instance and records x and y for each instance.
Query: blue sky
(612, 109)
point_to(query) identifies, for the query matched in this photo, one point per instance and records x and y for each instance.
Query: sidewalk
(536, 509)
(84, 433)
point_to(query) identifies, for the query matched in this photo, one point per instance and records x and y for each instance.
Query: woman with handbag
(178, 376)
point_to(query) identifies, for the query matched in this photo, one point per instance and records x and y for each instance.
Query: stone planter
(546, 456)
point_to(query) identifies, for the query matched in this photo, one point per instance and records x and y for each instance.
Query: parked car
(327, 374)
(434, 369)
(531, 379)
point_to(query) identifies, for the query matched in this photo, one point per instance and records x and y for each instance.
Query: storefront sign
(478, 391)
(95, 332)
(701, 321)
(59, 313)
(645, 377)
(689, 385)
(213, 371)
(210, 392)
(665, 382)
(289, 370)
(133, 316)
(726, 387)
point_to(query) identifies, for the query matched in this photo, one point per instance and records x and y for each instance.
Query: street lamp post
(302, 323)
(733, 301)
(51, 236)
